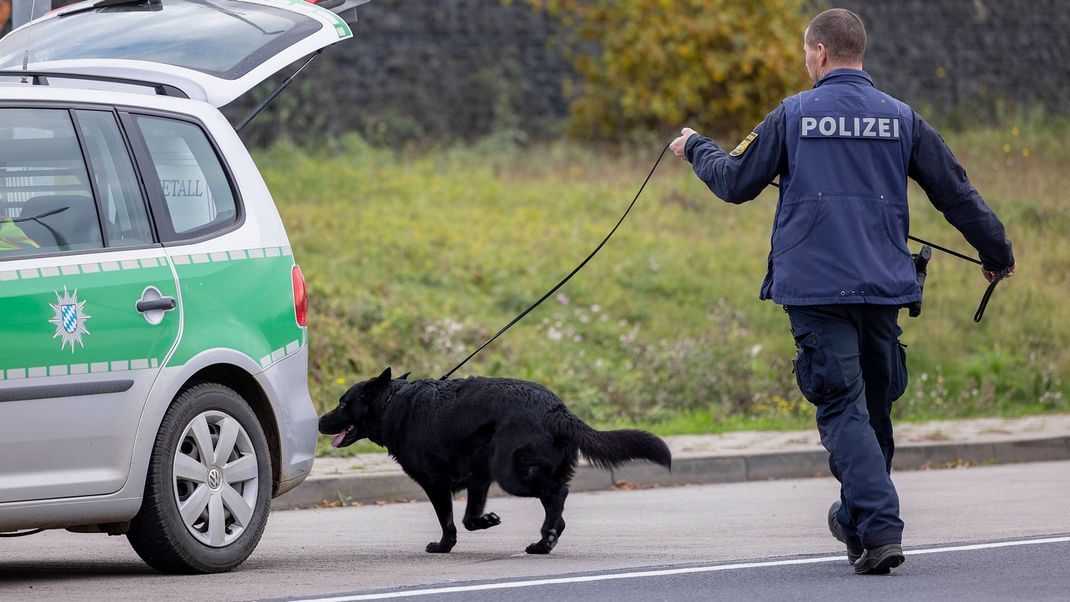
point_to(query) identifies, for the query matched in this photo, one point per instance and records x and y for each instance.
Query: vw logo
(215, 478)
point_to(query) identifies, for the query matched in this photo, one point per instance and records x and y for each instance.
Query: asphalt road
(685, 537)
(1032, 569)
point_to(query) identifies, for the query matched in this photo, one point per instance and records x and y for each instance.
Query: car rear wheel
(208, 491)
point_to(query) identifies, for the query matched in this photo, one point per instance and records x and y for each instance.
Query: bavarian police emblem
(739, 150)
(69, 318)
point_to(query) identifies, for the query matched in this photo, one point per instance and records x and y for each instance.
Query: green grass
(413, 258)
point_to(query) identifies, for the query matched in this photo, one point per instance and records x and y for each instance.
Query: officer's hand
(677, 146)
(990, 275)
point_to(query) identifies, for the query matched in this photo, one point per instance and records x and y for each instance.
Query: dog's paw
(482, 522)
(544, 546)
(437, 547)
(539, 547)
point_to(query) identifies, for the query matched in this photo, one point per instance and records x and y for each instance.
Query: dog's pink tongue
(336, 441)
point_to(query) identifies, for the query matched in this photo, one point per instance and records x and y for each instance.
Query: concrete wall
(465, 68)
(951, 57)
(441, 68)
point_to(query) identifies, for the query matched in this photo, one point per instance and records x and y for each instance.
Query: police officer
(839, 262)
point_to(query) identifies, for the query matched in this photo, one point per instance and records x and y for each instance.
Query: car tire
(206, 502)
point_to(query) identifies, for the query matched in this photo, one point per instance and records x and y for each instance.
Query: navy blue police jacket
(843, 151)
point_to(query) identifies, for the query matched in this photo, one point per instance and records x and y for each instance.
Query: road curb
(331, 490)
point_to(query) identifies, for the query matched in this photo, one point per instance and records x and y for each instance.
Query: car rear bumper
(286, 384)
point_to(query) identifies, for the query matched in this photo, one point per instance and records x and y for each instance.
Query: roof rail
(40, 78)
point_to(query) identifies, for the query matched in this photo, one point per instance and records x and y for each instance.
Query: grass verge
(413, 258)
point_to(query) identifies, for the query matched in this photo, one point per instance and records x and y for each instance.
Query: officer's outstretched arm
(935, 168)
(739, 176)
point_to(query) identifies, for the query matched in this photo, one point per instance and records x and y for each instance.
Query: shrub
(718, 66)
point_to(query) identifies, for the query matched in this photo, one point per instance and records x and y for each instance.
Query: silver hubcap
(216, 476)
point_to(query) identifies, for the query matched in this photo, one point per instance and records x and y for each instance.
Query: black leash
(976, 318)
(988, 294)
(570, 274)
(944, 249)
(980, 313)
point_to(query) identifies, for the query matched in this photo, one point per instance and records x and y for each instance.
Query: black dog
(456, 434)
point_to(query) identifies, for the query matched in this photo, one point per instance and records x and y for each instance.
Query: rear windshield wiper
(106, 4)
(238, 16)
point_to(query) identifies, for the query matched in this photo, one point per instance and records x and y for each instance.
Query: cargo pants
(850, 364)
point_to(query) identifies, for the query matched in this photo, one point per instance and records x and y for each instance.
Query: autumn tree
(654, 65)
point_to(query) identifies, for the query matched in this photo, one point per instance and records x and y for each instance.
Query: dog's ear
(378, 384)
(404, 376)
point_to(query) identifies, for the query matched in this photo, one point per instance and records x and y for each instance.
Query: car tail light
(300, 296)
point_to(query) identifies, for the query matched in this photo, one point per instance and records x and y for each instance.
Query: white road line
(665, 572)
(986, 546)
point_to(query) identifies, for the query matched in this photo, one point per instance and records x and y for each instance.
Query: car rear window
(198, 196)
(224, 39)
(46, 199)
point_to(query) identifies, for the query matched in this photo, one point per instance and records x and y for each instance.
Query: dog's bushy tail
(609, 449)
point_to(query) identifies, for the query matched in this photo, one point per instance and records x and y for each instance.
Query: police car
(153, 365)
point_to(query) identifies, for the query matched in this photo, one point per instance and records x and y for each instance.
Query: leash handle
(988, 295)
(980, 313)
(988, 292)
(570, 274)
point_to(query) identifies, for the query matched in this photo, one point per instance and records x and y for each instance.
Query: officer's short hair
(842, 33)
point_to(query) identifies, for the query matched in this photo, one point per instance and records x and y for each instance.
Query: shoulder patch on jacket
(742, 147)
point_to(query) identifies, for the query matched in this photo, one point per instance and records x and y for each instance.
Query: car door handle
(153, 305)
(164, 304)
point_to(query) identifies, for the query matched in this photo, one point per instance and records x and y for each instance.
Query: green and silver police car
(153, 335)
